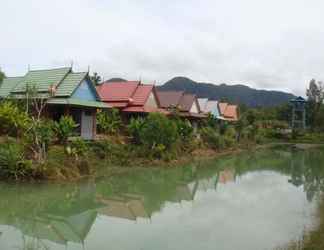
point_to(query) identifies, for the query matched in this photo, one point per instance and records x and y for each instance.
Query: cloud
(266, 44)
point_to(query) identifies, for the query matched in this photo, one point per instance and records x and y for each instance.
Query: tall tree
(96, 78)
(315, 96)
(2, 75)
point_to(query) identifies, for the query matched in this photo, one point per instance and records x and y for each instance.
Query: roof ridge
(81, 72)
(50, 69)
(8, 77)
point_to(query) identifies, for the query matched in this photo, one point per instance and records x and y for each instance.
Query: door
(87, 125)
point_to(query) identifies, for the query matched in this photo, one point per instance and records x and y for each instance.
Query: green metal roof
(77, 102)
(69, 84)
(8, 84)
(42, 80)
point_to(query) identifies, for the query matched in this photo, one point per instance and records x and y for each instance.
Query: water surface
(251, 201)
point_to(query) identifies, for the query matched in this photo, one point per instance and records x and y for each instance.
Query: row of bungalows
(219, 110)
(65, 93)
(73, 93)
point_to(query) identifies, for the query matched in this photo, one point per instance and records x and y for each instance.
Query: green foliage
(96, 78)
(185, 129)
(77, 148)
(103, 149)
(212, 138)
(223, 127)
(2, 76)
(134, 129)
(64, 128)
(12, 120)
(12, 161)
(251, 116)
(109, 122)
(158, 130)
(38, 137)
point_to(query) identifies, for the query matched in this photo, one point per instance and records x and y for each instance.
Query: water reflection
(197, 196)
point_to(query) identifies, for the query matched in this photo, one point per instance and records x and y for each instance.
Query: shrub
(64, 128)
(158, 131)
(185, 129)
(212, 138)
(134, 129)
(109, 122)
(12, 119)
(102, 148)
(223, 127)
(77, 148)
(12, 161)
(38, 137)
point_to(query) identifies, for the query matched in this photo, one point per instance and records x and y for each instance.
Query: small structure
(130, 97)
(209, 107)
(202, 104)
(187, 104)
(64, 92)
(298, 120)
(228, 112)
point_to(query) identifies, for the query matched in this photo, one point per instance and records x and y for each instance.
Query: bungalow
(228, 112)
(209, 106)
(130, 97)
(187, 104)
(65, 93)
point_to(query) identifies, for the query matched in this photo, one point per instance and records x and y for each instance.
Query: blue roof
(298, 99)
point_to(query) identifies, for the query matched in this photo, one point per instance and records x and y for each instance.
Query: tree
(2, 76)
(315, 91)
(96, 78)
(315, 95)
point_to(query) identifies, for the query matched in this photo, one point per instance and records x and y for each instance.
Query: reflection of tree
(305, 167)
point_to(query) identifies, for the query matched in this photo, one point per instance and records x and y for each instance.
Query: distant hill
(116, 79)
(238, 94)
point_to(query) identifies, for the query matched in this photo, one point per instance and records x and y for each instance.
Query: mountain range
(236, 94)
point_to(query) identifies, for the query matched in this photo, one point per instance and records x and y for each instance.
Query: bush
(185, 130)
(103, 148)
(64, 129)
(12, 119)
(212, 138)
(158, 130)
(12, 161)
(77, 148)
(109, 122)
(134, 129)
(38, 138)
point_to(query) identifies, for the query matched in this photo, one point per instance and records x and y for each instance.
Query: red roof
(229, 112)
(144, 109)
(117, 91)
(222, 107)
(169, 99)
(141, 94)
(186, 102)
(130, 96)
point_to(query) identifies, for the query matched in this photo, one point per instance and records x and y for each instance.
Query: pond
(253, 201)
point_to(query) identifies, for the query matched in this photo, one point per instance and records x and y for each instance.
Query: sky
(264, 44)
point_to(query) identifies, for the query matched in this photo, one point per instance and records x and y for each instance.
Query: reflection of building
(227, 175)
(184, 192)
(127, 206)
(58, 229)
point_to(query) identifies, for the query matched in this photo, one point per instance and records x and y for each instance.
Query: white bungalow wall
(194, 108)
(151, 101)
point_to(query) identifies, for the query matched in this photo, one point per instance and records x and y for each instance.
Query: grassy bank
(101, 160)
(312, 239)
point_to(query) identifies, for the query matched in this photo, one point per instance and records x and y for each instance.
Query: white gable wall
(194, 108)
(151, 101)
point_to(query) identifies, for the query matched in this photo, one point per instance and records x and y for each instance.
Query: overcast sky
(275, 44)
